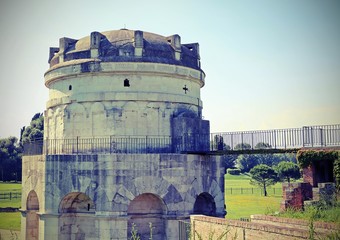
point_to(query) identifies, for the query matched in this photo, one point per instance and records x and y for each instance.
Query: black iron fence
(117, 144)
(292, 138)
(311, 136)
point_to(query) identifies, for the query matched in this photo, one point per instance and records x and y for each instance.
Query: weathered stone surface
(113, 189)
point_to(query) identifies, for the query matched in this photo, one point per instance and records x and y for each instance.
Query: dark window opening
(70, 87)
(126, 83)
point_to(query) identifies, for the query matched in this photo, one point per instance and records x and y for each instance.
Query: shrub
(234, 171)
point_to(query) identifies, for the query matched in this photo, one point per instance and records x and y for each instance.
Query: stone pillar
(64, 43)
(95, 44)
(175, 42)
(294, 195)
(48, 226)
(138, 43)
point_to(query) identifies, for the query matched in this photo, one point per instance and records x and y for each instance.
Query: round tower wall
(120, 99)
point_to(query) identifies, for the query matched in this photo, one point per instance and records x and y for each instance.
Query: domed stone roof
(127, 46)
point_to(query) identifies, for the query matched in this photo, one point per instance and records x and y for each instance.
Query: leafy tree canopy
(245, 162)
(263, 176)
(262, 145)
(229, 160)
(35, 131)
(242, 146)
(10, 159)
(287, 171)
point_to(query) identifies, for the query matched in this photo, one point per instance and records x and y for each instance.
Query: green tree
(287, 171)
(263, 145)
(245, 162)
(263, 176)
(10, 159)
(242, 146)
(229, 160)
(35, 131)
(219, 144)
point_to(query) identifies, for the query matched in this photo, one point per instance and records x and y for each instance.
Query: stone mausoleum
(125, 145)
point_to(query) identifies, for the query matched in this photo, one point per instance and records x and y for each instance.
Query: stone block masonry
(99, 195)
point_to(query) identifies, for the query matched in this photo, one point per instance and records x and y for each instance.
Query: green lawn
(243, 181)
(9, 220)
(10, 187)
(246, 204)
(14, 203)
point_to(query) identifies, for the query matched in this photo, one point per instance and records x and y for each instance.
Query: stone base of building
(111, 196)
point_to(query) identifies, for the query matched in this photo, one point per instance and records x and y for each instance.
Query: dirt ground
(9, 234)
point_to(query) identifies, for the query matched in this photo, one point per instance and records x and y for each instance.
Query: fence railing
(311, 136)
(292, 138)
(119, 144)
(10, 195)
(253, 191)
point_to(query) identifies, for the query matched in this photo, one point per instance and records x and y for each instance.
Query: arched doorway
(76, 219)
(205, 204)
(32, 218)
(144, 210)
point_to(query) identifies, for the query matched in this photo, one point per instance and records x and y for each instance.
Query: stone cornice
(91, 66)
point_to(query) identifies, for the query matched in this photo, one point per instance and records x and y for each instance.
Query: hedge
(234, 171)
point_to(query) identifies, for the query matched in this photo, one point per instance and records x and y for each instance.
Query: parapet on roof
(127, 46)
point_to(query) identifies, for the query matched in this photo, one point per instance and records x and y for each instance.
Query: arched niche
(98, 120)
(32, 218)
(144, 210)
(130, 118)
(76, 219)
(76, 121)
(76, 202)
(205, 204)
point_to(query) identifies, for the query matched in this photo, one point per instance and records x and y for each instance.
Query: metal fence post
(77, 141)
(242, 140)
(231, 142)
(321, 137)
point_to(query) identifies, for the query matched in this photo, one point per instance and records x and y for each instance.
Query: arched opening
(144, 210)
(32, 218)
(76, 217)
(205, 204)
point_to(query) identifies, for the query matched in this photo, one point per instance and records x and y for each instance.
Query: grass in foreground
(10, 221)
(330, 214)
(244, 205)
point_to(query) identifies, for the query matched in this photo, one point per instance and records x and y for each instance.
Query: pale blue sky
(268, 63)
